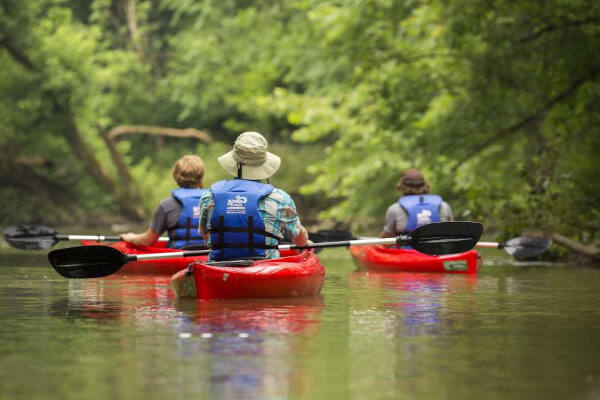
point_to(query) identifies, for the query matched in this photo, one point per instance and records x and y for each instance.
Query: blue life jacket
(236, 228)
(186, 231)
(421, 209)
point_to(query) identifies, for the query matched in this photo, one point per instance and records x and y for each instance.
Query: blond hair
(188, 171)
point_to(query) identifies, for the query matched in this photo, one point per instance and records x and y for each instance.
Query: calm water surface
(511, 332)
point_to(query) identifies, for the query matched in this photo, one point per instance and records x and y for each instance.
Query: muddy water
(508, 333)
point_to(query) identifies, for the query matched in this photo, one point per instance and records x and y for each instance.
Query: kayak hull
(388, 259)
(166, 267)
(297, 275)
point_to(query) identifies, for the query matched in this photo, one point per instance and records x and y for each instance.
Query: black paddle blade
(527, 247)
(446, 237)
(30, 237)
(86, 261)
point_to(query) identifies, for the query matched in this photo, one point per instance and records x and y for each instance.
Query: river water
(511, 332)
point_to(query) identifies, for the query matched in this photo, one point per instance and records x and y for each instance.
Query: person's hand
(309, 242)
(128, 237)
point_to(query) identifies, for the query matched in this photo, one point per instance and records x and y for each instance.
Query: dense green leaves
(497, 102)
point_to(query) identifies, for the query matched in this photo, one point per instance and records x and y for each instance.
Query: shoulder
(394, 209)
(445, 206)
(280, 195)
(168, 203)
(207, 198)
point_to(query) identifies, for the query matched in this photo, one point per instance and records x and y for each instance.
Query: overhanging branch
(530, 118)
(564, 25)
(587, 250)
(159, 131)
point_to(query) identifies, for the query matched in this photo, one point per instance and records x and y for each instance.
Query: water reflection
(416, 304)
(224, 348)
(248, 344)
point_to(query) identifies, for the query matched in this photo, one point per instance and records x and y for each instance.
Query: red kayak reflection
(287, 315)
(424, 303)
(151, 297)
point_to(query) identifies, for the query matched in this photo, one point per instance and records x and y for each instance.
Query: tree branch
(589, 251)
(552, 27)
(16, 53)
(159, 131)
(528, 119)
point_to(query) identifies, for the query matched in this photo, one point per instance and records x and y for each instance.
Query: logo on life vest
(237, 205)
(196, 212)
(424, 217)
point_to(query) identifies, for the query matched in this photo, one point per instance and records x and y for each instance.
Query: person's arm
(144, 239)
(390, 226)
(302, 238)
(158, 226)
(207, 206)
(291, 228)
(446, 212)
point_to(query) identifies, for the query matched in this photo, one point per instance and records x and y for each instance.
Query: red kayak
(167, 266)
(292, 275)
(380, 258)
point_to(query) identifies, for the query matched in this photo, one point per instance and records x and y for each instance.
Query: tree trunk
(132, 24)
(127, 204)
(124, 175)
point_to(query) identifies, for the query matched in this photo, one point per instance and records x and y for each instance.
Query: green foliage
(497, 102)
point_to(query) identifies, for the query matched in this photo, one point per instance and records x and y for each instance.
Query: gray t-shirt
(396, 218)
(166, 215)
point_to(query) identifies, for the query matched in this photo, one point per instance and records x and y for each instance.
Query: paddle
(40, 237)
(99, 261)
(520, 247)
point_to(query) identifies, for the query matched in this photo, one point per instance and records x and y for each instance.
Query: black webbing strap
(259, 231)
(251, 245)
(187, 229)
(221, 229)
(250, 233)
(243, 246)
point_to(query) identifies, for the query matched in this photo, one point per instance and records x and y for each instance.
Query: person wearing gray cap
(415, 207)
(243, 217)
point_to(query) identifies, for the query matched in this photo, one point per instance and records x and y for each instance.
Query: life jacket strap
(223, 229)
(251, 245)
(215, 246)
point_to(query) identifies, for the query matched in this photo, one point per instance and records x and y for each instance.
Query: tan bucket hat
(250, 153)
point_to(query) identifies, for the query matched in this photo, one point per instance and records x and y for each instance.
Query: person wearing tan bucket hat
(415, 207)
(243, 217)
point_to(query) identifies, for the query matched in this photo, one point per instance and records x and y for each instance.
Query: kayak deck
(293, 275)
(380, 258)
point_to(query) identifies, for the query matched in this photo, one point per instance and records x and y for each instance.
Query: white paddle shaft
(359, 242)
(102, 238)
